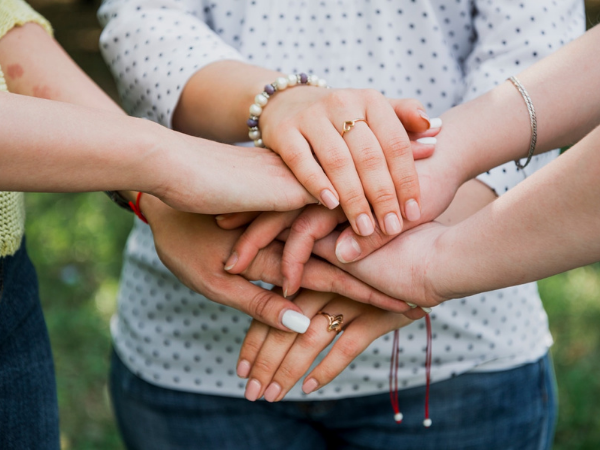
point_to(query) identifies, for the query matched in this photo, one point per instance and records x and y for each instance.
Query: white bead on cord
(398, 417)
(261, 100)
(427, 423)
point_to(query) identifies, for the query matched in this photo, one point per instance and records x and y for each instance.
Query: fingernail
(309, 385)
(427, 310)
(285, 287)
(219, 217)
(435, 123)
(329, 199)
(252, 390)
(243, 369)
(272, 392)
(412, 210)
(364, 225)
(427, 141)
(231, 261)
(392, 224)
(295, 321)
(424, 115)
(412, 305)
(347, 250)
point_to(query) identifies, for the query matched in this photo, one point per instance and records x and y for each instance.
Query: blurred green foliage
(76, 242)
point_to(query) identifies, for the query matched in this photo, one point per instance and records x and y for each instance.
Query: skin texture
(370, 166)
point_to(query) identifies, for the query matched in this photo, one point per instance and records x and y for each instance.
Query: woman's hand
(274, 360)
(195, 250)
(370, 165)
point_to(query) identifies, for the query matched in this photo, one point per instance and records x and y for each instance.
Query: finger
(312, 224)
(255, 337)
(422, 151)
(277, 344)
(321, 276)
(235, 220)
(261, 304)
(308, 346)
(432, 132)
(351, 247)
(398, 152)
(374, 174)
(335, 157)
(411, 113)
(349, 346)
(298, 156)
(258, 235)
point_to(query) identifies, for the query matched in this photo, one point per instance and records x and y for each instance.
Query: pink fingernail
(347, 249)
(412, 209)
(243, 369)
(272, 392)
(219, 217)
(231, 261)
(364, 225)
(252, 390)
(329, 199)
(424, 115)
(392, 224)
(284, 287)
(310, 385)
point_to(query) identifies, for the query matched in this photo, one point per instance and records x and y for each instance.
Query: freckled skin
(14, 71)
(42, 91)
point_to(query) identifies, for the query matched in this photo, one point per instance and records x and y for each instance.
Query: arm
(180, 66)
(75, 148)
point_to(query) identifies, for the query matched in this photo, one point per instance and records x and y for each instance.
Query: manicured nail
(243, 369)
(412, 305)
(252, 390)
(427, 310)
(309, 385)
(427, 141)
(295, 321)
(347, 250)
(329, 199)
(424, 115)
(272, 392)
(392, 224)
(412, 210)
(285, 287)
(219, 217)
(231, 261)
(435, 123)
(364, 225)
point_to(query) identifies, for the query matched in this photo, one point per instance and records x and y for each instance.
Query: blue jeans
(28, 404)
(514, 409)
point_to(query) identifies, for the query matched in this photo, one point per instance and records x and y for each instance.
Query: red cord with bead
(394, 374)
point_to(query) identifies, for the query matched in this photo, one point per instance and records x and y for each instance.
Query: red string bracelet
(394, 374)
(135, 207)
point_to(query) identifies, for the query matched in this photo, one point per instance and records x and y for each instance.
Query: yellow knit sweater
(12, 208)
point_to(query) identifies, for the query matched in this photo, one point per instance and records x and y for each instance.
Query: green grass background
(76, 242)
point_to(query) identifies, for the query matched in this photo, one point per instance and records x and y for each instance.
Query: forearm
(494, 128)
(56, 147)
(548, 224)
(214, 103)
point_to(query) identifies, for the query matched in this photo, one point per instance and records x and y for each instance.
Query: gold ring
(335, 322)
(348, 124)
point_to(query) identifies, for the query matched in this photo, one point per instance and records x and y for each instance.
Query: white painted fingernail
(295, 321)
(436, 123)
(412, 305)
(427, 141)
(427, 310)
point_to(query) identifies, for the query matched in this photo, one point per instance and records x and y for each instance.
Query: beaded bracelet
(261, 100)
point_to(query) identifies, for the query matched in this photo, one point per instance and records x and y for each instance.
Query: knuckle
(263, 366)
(371, 158)
(302, 225)
(339, 98)
(335, 160)
(371, 94)
(398, 147)
(311, 339)
(260, 305)
(384, 196)
(251, 347)
(294, 157)
(354, 199)
(289, 373)
(348, 348)
(408, 183)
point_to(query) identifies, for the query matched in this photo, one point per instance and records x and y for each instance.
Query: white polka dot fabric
(442, 52)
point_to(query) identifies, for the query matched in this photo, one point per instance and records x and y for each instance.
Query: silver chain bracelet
(532, 121)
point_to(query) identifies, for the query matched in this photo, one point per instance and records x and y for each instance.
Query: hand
(196, 175)
(372, 164)
(195, 249)
(274, 361)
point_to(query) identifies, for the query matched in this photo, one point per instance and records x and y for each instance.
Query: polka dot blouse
(442, 52)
